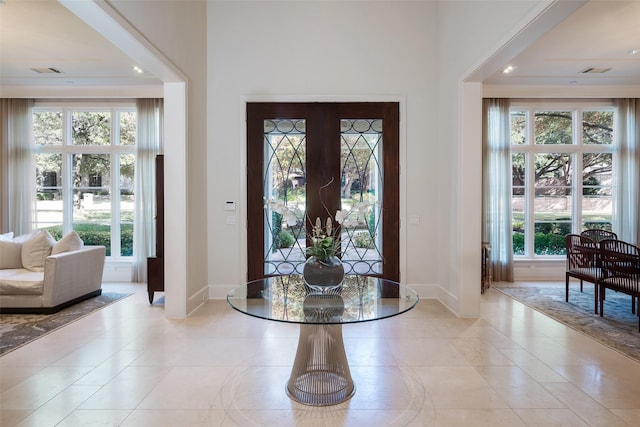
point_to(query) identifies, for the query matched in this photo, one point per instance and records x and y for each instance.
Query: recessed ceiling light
(137, 69)
(509, 69)
(634, 51)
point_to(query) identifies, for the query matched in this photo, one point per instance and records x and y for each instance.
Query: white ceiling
(44, 34)
(600, 35)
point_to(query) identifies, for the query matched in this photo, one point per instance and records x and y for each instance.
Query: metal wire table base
(320, 375)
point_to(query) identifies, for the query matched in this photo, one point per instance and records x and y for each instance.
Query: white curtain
(496, 183)
(16, 176)
(149, 143)
(627, 142)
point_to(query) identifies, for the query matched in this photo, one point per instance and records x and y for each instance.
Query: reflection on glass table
(320, 374)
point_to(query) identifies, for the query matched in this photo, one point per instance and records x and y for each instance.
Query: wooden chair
(582, 263)
(597, 234)
(621, 272)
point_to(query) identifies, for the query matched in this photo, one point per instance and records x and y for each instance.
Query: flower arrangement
(325, 242)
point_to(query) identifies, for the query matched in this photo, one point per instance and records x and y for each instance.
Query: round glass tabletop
(288, 299)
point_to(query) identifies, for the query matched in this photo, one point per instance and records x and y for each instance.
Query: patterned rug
(617, 329)
(17, 330)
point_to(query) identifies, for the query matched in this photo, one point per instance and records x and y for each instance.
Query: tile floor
(128, 365)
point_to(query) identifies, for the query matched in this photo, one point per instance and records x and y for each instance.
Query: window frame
(576, 150)
(67, 150)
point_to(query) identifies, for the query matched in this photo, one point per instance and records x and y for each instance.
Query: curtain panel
(16, 176)
(627, 175)
(496, 183)
(149, 143)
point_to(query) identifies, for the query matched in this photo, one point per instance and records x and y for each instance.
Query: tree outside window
(561, 175)
(78, 154)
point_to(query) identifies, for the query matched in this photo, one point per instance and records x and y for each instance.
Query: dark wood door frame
(323, 124)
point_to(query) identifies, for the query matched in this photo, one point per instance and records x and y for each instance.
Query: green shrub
(362, 239)
(99, 234)
(518, 243)
(126, 239)
(562, 228)
(371, 224)
(601, 225)
(285, 239)
(549, 244)
(276, 228)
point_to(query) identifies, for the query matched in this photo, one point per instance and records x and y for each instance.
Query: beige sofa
(67, 277)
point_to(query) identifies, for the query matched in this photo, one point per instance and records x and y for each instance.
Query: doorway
(310, 160)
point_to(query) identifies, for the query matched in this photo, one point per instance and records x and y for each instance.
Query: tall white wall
(414, 52)
(178, 30)
(318, 51)
(468, 33)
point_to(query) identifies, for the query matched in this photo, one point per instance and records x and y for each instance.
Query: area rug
(617, 329)
(17, 330)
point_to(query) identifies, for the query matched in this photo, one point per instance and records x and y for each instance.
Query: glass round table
(320, 374)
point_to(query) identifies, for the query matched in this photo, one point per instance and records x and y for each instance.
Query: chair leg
(602, 289)
(638, 311)
(566, 297)
(595, 297)
(580, 285)
(633, 304)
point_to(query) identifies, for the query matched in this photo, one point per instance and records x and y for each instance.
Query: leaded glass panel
(285, 195)
(361, 187)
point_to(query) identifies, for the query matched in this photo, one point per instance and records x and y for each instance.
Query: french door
(310, 160)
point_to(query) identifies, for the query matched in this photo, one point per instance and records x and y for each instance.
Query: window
(562, 166)
(84, 173)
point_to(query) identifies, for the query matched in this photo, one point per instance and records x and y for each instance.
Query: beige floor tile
(457, 387)
(550, 417)
(13, 375)
(630, 416)
(476, 418)
(190, 387)
(426, 352)
(534, 367)
(59, 407)
(11, 417)
(40, 388)
(173, 418)
(107, 370)
(128, 365)
(517, 388)
(614, 387)
(478, 351)
(99, 417)
(582, 404)
(127, 389)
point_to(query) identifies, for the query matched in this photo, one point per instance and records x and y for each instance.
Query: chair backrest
(582, 252)
(620, 258)
(598, 234)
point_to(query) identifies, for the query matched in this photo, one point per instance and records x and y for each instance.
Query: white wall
(178, 30)
(468, 33)
(415, 52)
(318, 51)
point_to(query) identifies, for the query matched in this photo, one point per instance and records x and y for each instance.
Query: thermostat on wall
(229, 206)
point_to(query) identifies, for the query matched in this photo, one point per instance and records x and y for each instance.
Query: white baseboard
(220, 291)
